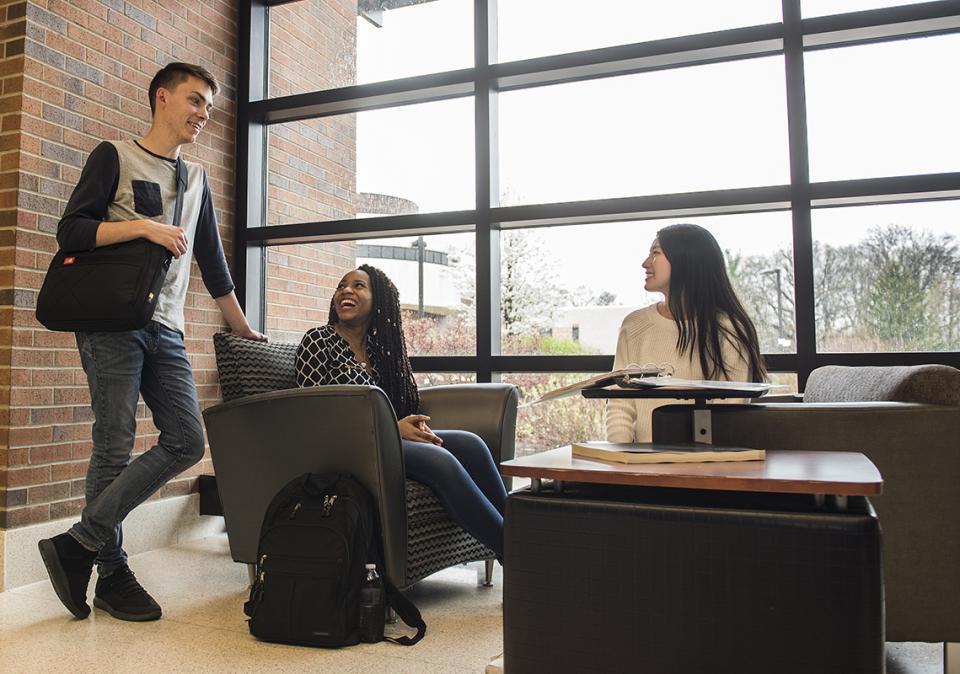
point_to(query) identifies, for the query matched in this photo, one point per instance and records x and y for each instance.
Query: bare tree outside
(898, 289)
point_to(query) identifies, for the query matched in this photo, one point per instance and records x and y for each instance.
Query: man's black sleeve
(87, 208)
(208, 249)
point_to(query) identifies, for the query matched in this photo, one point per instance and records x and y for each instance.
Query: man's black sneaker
(120, 595)
(69, 565)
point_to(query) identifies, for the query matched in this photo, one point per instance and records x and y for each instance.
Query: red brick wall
(312, 164)
(76, 72)
(12, 31)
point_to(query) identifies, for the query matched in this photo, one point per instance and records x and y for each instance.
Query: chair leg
(391, 617)
(951, 658)
(251, 573)
(488, 573)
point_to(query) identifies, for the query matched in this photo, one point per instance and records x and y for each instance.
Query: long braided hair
(703, 303)
(388, 348)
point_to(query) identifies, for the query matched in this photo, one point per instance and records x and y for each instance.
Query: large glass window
(884, 109)
(299, 283)
(395, 161)
(316, 45)
(701, 128)
(529, 28)
(558, 422)
(811, 8)
(433, 275)
(426, 379)
(565, 290)
(888, 277)
(573, 419)
(311, 170)
(513, 201)
(436, 278)
(422, 153)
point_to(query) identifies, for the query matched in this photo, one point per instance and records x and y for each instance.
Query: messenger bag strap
(181, 188)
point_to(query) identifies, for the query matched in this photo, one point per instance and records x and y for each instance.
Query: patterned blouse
(324, 358)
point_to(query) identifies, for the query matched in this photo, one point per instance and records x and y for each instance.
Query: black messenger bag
(110, 288)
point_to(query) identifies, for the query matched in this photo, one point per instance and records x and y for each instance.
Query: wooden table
(839, 474)
(701, 576)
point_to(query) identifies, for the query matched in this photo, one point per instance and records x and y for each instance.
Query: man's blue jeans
(120, 366)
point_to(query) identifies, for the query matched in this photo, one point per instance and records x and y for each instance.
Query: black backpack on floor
(318, 533)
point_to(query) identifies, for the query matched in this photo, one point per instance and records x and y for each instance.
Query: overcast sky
(873, 110)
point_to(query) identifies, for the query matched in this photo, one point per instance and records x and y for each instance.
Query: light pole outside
(781, 342)
(421, 246)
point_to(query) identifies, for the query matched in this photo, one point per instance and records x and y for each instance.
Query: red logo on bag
(69, 260)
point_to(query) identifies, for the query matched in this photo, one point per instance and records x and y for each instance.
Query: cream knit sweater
(647, 337)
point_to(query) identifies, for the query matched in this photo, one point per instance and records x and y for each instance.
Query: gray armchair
(907, 421)
(267, 431)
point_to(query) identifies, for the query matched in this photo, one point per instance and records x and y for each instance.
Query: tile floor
(203, 628)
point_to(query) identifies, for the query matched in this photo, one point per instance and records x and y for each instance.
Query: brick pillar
(75, 73)
(12, 34)
(312, 177)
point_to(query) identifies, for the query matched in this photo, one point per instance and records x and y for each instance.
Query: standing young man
(127, 190)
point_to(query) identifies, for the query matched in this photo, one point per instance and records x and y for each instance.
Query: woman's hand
(414, 427)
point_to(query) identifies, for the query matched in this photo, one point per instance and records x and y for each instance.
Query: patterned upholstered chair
(907, 421)
(267, 431)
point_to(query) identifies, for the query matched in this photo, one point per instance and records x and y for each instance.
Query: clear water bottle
(372, 606)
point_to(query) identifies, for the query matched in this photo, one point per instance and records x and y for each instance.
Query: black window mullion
(249, 262)
(805, 318)
(256, 110)
(487, 191)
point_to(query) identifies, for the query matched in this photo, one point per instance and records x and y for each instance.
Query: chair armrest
(489, 410)
(915, 447)
(261, 442)
(779, 398)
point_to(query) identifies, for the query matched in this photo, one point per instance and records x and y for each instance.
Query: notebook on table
(648, 452)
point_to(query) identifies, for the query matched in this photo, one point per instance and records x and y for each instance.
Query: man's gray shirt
(124, 181)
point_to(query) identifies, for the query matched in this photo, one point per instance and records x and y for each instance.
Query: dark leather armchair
(907, 421)
(268, 431)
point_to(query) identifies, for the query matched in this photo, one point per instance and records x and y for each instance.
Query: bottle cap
(370, 567)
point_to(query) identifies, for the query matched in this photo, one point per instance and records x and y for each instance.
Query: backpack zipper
(328, 501)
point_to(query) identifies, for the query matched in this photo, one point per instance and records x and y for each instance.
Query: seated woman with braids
(363, 343)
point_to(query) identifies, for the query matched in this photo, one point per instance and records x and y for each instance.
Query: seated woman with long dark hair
(363, 343)
(700, 329)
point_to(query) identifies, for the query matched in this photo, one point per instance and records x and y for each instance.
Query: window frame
(790, 38)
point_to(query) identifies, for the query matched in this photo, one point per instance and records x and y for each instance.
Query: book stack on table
(647, 452)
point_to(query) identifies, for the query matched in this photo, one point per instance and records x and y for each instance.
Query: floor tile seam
(31, 595)
(181, 621)
(425, 660)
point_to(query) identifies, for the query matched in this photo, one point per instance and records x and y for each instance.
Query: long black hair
(703, 303)
(388, 348)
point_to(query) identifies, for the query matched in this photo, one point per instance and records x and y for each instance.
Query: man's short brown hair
(173, 74)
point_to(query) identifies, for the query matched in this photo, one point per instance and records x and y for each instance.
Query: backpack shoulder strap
(407, 611)
(405, 608)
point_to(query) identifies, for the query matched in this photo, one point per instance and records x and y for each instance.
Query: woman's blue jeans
(465, 478)
(121, 366)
